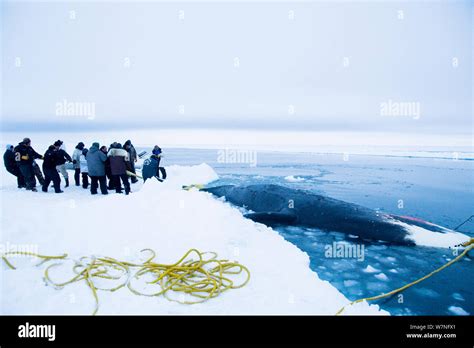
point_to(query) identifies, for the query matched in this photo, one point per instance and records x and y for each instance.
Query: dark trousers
(110, 177)
(51, 175)
(85, 180)
(19, 178)
(37, 172)
(77, 176)
(95, 181)
(126, 184)
(163, 172)
(132, 169)
(26, 169)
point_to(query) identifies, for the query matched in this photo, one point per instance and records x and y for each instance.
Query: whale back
(275, 205)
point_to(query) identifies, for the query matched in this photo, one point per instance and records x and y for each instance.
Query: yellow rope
(203, 279)
(196, 186)
(193, 277)
(44, 257)
(469, 245)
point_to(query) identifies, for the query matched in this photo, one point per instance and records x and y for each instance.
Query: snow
(457, 310)
(425, 237)
(370, 269)
(292, 178)
(381, 276)
(169, 220)
(200, 174)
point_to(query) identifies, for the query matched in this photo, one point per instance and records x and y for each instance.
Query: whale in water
(275, 205)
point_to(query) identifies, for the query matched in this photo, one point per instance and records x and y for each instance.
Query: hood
(117, 152)
(93, 149)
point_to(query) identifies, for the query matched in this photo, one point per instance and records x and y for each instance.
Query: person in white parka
(76, 161)
(84, 169)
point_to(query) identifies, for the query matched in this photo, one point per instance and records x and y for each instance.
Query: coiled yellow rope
(44, 257)
(469, 245)
(203, 279)
(193, 277)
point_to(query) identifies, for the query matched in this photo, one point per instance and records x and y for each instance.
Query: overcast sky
(324, 66)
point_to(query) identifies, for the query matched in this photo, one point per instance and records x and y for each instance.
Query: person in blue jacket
(151, 166)
(96, 165)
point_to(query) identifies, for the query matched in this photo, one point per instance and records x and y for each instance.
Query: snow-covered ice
(292, 178)
(169, 220)
(370, 269)
(457, 310)
(425, 237)
(381, 276)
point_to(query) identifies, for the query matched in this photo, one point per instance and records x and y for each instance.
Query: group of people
(107, 168)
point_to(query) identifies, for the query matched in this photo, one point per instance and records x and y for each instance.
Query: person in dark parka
(132, 157)
(63, 157)
(96, 165)
(12, 167)
(108, 170)
(50, 172)
(24, 157)
(119, 165)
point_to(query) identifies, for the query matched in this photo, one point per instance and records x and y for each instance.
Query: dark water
(437, 190)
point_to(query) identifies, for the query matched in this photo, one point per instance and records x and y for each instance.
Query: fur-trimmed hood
(118, 152)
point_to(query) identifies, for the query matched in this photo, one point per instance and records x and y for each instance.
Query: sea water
(435, 188)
